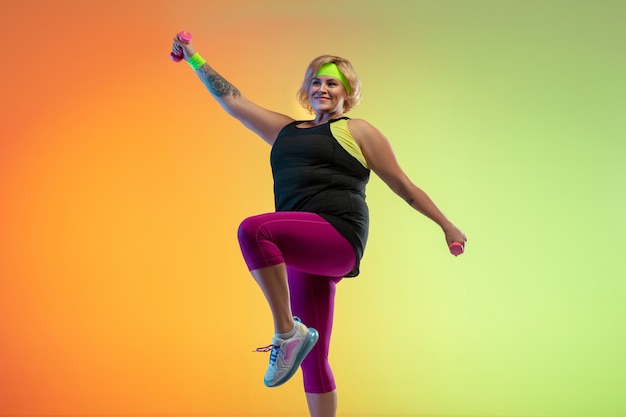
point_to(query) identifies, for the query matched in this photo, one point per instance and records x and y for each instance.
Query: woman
(318, 233)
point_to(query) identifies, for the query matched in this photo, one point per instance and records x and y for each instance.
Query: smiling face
(327, 95)
(319, 76)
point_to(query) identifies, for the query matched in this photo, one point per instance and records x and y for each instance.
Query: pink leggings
(317, 257)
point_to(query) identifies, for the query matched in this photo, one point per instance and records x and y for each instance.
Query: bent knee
(247, 229)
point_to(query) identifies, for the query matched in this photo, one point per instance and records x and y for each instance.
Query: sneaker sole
(310, 341)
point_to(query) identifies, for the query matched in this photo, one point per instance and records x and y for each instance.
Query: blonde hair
(353, 98)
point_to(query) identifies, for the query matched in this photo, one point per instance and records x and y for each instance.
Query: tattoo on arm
(216, 84)
(410, 201)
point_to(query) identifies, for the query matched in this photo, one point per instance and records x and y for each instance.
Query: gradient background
(122, 289)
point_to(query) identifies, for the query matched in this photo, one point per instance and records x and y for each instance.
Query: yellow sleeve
(341, 133)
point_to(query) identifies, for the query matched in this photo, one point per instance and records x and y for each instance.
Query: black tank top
(314, 173)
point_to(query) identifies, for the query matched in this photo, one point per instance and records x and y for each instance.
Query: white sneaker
(287, 355)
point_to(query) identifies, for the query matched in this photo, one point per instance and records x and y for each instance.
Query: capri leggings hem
(323, 390)
(266, 263)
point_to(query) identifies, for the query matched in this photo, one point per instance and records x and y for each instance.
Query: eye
(315, 83)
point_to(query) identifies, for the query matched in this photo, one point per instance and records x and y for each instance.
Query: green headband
(330, 69)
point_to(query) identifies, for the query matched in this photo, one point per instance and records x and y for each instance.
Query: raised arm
(381, 159)
(265, 123)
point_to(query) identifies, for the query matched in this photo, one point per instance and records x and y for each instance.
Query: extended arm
(265, 123)
(381, 159)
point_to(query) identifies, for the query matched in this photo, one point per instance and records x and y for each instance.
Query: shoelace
(275, 350)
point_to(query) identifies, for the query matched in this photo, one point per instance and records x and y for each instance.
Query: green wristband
(196, 61)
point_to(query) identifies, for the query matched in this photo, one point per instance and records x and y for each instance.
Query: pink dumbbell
(184, 37)
(456, 248)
